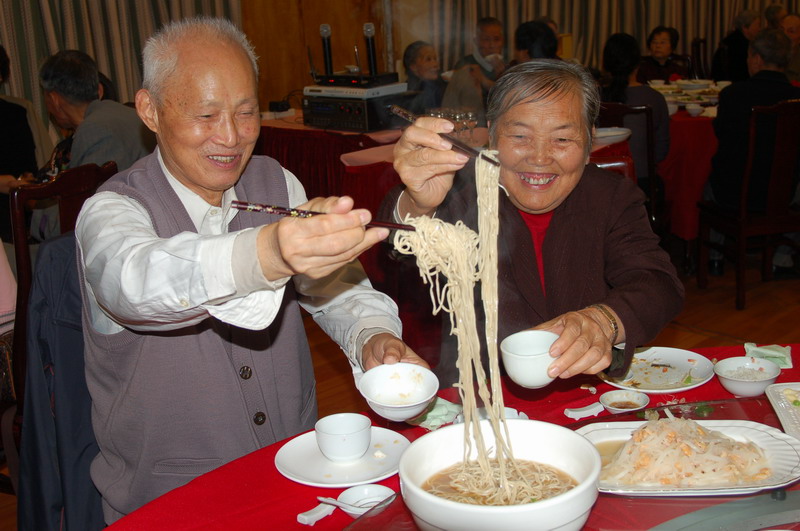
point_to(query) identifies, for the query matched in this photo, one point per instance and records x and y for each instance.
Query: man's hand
(584, 343)
(426, 164)
(385, 348)
(318, 245)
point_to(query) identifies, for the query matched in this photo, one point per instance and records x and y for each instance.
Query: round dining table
(251, 493)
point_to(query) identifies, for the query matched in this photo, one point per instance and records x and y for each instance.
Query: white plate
(682, 370)
(300, 460)
(782, 450)
(788, 414)
(605, 136)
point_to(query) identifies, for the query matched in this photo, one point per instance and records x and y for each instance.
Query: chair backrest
(621, 164)
(686, 61)
(613, 115)
(783, 121)
(70, 189)
(700, 58)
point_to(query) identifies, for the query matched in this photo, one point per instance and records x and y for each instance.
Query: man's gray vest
(169, 406)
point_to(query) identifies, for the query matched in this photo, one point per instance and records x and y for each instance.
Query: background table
(249, 493)
(311, 154)
(692, 144)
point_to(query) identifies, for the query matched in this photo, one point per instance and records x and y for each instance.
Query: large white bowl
(531, 440)
(694, 84)
(767, 371)
(400, 391)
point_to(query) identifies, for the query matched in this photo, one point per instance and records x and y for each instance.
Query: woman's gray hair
(159, 55)
(540, 79)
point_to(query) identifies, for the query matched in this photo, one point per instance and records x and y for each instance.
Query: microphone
(325, 33)
(369, 37)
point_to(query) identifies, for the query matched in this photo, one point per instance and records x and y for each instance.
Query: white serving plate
(605, 136)
(782, 450)
(788, 414)
(685, 370)
(300, 460)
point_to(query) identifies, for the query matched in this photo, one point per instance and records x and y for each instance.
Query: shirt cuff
(247, 272)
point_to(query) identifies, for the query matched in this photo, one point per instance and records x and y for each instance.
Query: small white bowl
(620, 401)
(400, 391)
(526, 357)
(672, 108)
(746, 375)
(367, 496)
(694, 109)
(656, 82)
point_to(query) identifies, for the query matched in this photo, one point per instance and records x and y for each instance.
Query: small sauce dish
(621, 401)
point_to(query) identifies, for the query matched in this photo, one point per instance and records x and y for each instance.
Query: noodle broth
(543, 482)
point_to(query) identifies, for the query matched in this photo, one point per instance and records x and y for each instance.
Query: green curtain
(111, 31)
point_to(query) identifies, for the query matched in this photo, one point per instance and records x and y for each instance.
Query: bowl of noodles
(560, 470)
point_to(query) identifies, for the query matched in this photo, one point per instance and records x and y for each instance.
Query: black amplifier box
(354, 114)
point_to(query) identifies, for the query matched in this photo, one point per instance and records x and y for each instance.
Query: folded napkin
(780, 356)
(442, 412)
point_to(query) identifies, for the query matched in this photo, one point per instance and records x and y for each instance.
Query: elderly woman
(577, 254)
(424, 75)
(662, 63)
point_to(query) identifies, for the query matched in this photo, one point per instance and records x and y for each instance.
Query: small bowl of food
(400, 391)
(694, 109)
(362, 498)
(621, 401)
(746, 375)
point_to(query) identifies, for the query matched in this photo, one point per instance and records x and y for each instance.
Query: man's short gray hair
(773, 46)
(540, 79)
(160, 59)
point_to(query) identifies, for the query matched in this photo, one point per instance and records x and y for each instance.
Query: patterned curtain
(591, 22)
(111, 31)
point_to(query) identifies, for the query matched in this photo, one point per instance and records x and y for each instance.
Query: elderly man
(488, 53)
(577, 254)
(767, 60)
(195, 347)
(104, 130)
(790, 24)
(730, 60)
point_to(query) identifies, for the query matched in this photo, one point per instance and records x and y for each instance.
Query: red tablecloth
(249, 493)
(685, 171)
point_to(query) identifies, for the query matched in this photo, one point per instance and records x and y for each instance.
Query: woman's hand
(584, 343)
(426, 164)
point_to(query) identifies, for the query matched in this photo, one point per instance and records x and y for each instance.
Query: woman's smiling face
(542, 150)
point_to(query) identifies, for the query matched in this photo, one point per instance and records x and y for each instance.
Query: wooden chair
(686, 61)
(622, 165)
(70, 189)
(760, 230)
(613, 115)
(700, 58)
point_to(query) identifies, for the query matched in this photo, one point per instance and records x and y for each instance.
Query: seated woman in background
(424, 76)
(621, 59)
(663, 63)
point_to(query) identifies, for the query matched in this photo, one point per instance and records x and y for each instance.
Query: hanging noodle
(464, 257)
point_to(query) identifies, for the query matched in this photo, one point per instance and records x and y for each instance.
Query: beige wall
(281, 31)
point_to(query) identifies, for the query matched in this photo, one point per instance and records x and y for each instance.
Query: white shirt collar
(207, 219)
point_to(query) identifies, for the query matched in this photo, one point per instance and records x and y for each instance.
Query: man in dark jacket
(730, 59)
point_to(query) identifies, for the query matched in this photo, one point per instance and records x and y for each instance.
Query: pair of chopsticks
(458, 144)
(297, 213)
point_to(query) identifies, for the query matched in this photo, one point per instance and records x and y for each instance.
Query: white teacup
(343, 436)
(526, 357)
